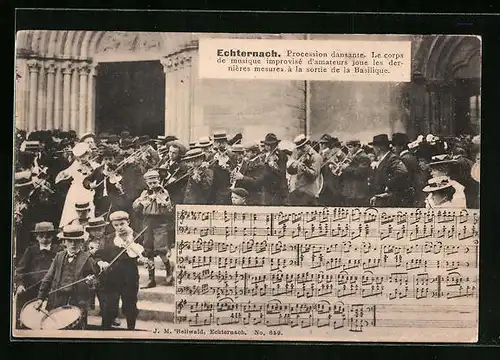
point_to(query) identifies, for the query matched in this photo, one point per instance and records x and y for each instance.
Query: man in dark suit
(414, 195)
(200, 181)
(70, 275)
(251, 175)
(275, 187)
(224, 160)
(390, 175)
(331, 153)
(172, 173)
(354, 176)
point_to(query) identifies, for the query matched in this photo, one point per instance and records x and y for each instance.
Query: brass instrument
(233, 173)
(338, 166)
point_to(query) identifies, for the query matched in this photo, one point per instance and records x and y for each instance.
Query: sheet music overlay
(327, 274)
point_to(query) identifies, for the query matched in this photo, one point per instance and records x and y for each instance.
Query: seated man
(70, 275)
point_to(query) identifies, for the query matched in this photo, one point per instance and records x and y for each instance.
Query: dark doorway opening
(130, 96)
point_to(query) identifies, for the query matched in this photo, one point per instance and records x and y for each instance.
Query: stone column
(34, 67)
(179, 98)
(41, 98)
(66, 95)
(180, 89)
(84, 70)
(170, 92)
(188, 95)
(196, 107)
(91, 99)
(57, 97)
(73, 116)
(22, 80)
(50, 66)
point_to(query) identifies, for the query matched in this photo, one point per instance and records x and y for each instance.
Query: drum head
(61, 318)
(31, 317)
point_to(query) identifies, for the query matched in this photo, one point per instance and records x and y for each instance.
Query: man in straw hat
(275, 187)
(200, 181)
(250, 173)
(24, 212)
(390, 175)
(157, 211)
(34, 264)
(304, 167)
(82, 208)
(172, 172)
(224, 162)
(67, 268)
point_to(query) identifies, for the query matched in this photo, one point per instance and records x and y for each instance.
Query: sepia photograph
(306, 187)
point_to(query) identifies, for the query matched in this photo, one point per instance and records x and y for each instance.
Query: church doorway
(130, 96)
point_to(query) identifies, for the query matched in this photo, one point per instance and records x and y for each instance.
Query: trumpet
(337, 167)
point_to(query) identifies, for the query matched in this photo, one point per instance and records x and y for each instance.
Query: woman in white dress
(81, 167)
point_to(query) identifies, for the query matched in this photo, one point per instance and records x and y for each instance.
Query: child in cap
(239, 196)
(156, 208)
(121, 278)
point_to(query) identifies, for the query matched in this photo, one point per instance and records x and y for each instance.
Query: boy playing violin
(119, 279)
(157, 210)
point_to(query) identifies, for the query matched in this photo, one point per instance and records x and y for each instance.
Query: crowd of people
(109, 200)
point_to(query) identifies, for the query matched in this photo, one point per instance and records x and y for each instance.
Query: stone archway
(57, 70)
(445, 69)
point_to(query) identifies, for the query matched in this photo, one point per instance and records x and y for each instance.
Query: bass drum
(30, 317)
(67, 317)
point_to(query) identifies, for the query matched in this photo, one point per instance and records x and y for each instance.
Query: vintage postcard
(223, 186)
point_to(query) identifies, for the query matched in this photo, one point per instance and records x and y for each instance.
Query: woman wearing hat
(441, 191)
(76, 173)
(439, 167)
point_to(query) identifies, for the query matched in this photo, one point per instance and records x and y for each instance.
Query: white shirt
(45, 247)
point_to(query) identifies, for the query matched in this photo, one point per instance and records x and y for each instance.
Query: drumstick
(33, 272)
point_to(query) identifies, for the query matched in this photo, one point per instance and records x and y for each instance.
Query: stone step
(152, 311)
(94, 323)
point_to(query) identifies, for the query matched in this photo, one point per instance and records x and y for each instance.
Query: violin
(222, 158)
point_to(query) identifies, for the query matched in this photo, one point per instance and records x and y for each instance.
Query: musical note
(347, 269)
